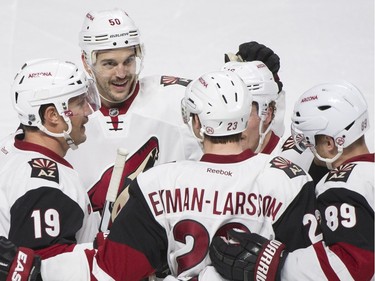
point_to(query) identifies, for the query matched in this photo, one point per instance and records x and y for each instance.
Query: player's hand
(252, 51)
(247, 256)
(18, 263)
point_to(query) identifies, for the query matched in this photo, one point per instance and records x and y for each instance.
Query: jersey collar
(234, 158)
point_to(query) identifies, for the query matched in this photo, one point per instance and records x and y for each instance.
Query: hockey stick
(113, 187)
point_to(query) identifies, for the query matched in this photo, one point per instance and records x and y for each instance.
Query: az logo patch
(45, 169)
(341, 173)
(291, 169)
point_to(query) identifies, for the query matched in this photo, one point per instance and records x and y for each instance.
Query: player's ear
(196, 125)
(196, 122)
(85, 65)
(269, 116)
(51, 118)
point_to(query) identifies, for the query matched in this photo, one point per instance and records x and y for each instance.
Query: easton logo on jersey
(172, 80)
(291, 169)
(341, 173)
(45, 169)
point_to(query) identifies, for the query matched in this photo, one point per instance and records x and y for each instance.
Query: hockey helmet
(337, 109)
(221, 101)
(108, 29)
(50, 81)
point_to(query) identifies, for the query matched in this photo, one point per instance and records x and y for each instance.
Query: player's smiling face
(79, 109)
(115, 72)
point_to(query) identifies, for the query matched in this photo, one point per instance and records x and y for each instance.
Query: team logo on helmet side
(45, 169)
(291, 169)
(340, 141)
(209, 130)
(341, 173)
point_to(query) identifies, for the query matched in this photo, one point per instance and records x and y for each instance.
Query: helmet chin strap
(65, 134)
(328, 161)
(262, 135)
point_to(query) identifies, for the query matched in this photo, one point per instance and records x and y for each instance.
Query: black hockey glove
(247, 256)
(18, 263)
(252, 51)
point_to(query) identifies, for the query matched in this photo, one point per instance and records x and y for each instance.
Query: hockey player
(331, 119)
(43, 204)
(254, 51)
(175, 209)
(141, 115)
(259, 135)
(251, 51)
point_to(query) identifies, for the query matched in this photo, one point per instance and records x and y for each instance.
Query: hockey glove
(18, 263)
(247, 256)
(252, 51)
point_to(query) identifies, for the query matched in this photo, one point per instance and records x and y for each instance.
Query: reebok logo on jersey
(341, 173)
(45, 169)
(291, 169)
(220, 172)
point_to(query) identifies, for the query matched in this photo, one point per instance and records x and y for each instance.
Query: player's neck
(52, 143)
(351, 152)
(222, 149)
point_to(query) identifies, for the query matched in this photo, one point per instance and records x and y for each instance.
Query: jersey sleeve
(46, 220)
(297, 228)
(346, 216)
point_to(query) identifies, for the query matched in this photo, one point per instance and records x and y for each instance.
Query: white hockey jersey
(43, 204)
(345, 200)
(176, 209)
(149, 125)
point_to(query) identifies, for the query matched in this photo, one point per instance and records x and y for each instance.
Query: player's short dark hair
(42, 110)
(224, 139)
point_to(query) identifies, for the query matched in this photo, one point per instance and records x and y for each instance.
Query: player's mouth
(120, 85)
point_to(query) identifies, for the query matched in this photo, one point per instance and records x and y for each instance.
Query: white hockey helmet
(50, 81)
(108, 29)
(221, 101)
(259, 81)
(261, 84)
(338, 110)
